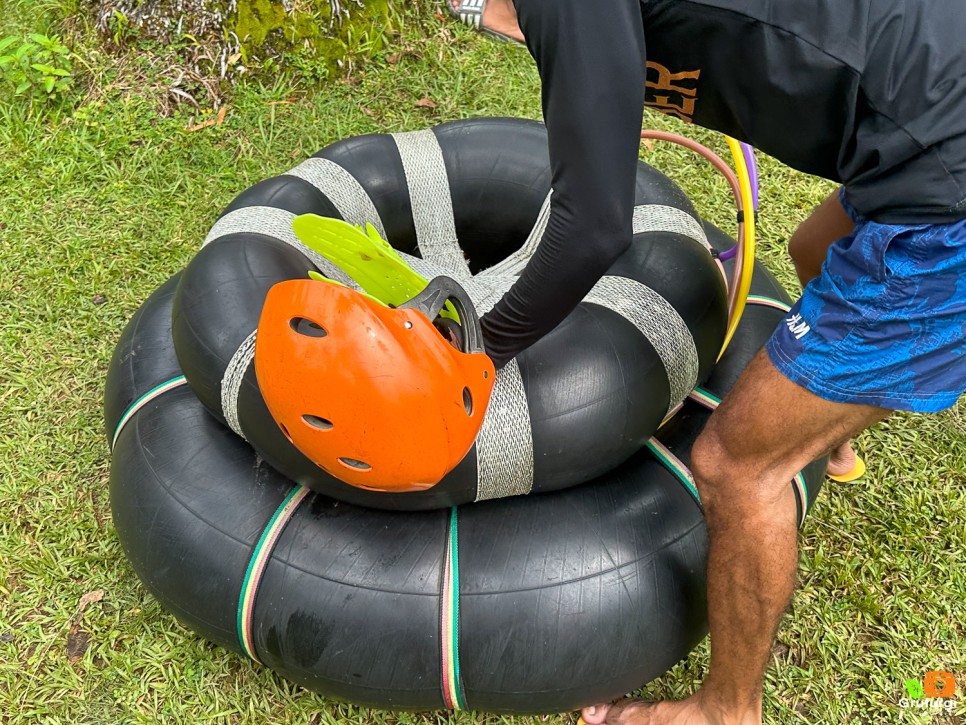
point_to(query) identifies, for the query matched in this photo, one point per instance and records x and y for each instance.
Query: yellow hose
(747, 242)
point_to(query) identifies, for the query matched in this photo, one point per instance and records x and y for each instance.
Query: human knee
(731, 480)
(713, 467)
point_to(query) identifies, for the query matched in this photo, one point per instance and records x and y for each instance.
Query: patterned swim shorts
(885, 322)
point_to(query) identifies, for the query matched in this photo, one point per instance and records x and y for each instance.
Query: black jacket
(869, 93)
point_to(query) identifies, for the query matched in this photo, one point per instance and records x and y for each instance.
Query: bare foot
(841, 460)
(685, 712)
(499, 16)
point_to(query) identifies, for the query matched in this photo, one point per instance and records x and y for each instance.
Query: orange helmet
(374, 395)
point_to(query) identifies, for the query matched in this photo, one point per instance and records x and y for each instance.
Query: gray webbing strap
(485, 292)
(430, 269)
(275, 223)
(422, 161)
(659, 322)
(231, 382)
(342, 189)
(660, 218)
(504, 447)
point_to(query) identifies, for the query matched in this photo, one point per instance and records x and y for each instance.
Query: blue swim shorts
(885, 322)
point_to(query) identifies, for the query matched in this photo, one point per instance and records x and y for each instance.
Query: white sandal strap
(471, 12)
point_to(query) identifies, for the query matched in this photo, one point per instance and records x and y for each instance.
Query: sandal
(470, 14)
(856, 472)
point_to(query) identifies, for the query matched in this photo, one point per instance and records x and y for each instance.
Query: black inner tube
(538, 603)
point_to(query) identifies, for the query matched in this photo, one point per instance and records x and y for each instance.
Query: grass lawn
(105, 195)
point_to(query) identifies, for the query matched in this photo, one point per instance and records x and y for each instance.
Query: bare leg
(808, 248)
(498, 15)
(809, 244)
(765, 431)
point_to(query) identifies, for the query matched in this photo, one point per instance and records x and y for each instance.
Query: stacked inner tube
(570, 408)
(513, 603)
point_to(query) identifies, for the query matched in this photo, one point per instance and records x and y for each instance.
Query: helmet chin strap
(431, 300)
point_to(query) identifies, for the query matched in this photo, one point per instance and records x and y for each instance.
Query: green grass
(103, 197)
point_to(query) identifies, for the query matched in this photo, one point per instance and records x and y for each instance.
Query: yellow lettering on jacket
(672, 93)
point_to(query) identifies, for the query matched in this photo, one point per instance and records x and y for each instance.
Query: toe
(594, 715)
(618, 713)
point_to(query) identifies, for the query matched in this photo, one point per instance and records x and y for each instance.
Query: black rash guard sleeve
(590, 56)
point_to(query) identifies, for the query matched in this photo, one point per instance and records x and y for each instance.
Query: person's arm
(590, 56)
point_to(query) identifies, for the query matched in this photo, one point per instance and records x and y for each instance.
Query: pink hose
(721, 166)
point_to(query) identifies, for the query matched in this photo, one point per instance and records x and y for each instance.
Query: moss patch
(256, 19)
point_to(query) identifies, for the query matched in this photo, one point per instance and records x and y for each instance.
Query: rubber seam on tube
(134, 407)
(257, 564)
(504, 446)
(660, 324)
(449, 620)
(275, 223)
(342, 189)
(232, 381)
(432, 203)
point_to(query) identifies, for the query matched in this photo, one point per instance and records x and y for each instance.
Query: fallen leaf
(221, 115)
(233, 58)
(88, 599)
(198, 127)
(77, 643)
(648, 144)
(425, 102)
(393, 58)
(369, 112)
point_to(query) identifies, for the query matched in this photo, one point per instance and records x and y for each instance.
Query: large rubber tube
(647, 334)
(526, 604)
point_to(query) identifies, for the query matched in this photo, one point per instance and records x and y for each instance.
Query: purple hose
(749, 154)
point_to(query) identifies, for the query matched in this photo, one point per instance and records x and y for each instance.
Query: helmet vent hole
(317, 422)
(353, 463)
(285, 431)
(304, 326)
(468, 401)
